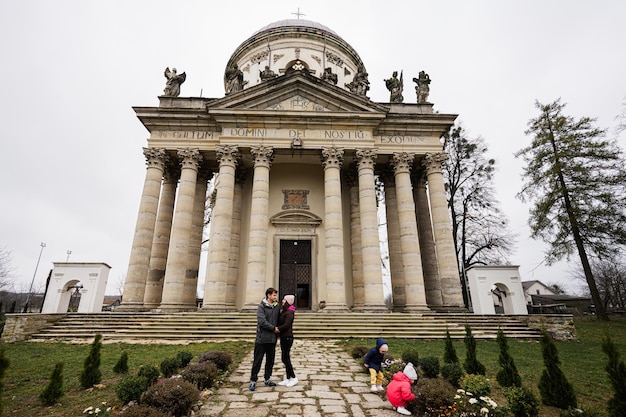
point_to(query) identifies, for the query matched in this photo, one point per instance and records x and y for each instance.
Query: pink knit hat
(290, 299)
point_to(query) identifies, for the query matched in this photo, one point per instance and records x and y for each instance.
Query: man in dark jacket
(266, 336)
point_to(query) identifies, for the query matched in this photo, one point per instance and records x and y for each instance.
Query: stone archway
(501, 282)
(68, 279)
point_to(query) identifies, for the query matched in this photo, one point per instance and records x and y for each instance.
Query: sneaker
(252, 385)
(292, 382)
(284, 382)
(380, 388)
(403, 411)
(374, 388)
(270, 383)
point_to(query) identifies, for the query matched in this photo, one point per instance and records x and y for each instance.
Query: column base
(175, 308)
(372, 309)
(218, 308)
(131, 307)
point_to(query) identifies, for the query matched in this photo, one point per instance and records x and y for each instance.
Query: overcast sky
(72, 168)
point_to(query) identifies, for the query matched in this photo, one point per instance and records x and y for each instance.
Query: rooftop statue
(267, 74)
(360, 84)
(423, 87)
(234, 79)
(395, 87)
(172, 86)
(329, 76)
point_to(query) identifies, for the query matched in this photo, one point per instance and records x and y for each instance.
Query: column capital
(189, 158)
(155, 157)
(263, 155)
(402, 162)
(332, 157)
(228, 155)
(432, 161)
(366, 157)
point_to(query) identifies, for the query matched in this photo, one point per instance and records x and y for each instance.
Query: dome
(295, 23)
(294, 44)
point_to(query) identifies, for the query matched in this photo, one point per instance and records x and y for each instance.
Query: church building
(296, 153)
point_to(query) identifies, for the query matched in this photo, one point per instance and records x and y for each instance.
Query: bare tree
(480, 230)
(610, 276)
(6, 267)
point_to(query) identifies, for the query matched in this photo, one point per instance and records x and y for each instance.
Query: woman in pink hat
(285, 325)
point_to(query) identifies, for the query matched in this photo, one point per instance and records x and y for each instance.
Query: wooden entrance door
(295, 271)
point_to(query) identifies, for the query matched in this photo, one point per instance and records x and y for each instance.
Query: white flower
(484, 411)
(456, 397)
(88, 409)
(473, 400)
(461, 391)
(98, 410)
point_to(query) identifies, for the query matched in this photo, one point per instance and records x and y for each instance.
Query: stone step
(197, 326)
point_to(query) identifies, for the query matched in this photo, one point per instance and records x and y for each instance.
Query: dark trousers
(285, 348)
(269, 351)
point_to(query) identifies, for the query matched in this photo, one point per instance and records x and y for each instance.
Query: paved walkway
(331, 384)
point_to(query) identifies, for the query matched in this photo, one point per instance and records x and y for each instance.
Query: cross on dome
(298, 13)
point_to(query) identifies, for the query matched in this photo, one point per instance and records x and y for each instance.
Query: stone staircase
(203, 326)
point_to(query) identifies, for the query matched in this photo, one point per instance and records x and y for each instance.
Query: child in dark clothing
(373, 361)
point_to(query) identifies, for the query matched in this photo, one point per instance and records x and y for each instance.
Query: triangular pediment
(297, 92)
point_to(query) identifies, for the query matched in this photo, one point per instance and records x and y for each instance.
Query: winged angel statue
(172, 87)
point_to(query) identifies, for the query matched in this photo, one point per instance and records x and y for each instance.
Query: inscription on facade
(294, 229)
(394, 140)
(298, 134)
(177, 134)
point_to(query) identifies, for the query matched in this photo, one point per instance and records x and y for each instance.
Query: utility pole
(30, 291)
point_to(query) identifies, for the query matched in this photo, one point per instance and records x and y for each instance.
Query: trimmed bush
(452, 372)
(150, 372)
(201, 374)
(411, 355)
(130, 388)
(617, 376)
(449, 354)
(221, 359)
(169, 366)
(522, 401)
(184, 357)
(91, 374)
(174, 396)
(431, 395)
(507, 376)
(554, 387)
(358, 352)
(121, 367)
(471, 364)
(477, 385)
(54, 391)
(430, 366)
(4, 365)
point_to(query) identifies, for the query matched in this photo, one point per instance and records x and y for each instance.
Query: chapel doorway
(295, 271)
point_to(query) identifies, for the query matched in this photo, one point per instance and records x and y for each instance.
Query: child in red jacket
(399, 390)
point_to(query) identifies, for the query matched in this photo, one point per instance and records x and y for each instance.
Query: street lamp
(43, 245)
(69, 252)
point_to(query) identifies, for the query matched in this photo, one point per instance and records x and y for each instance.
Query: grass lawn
(582, 362)
(32, 363)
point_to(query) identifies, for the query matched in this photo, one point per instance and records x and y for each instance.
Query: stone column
(161, 242)
(259, 223)
(195, 241)
(442, 230)
(355, 233)
(233, 261)
(398, 288)
(139, 262)
(372, 273)
(427, 242)
(174, 297)
(332, 159)
(409, 240)
(221, 226)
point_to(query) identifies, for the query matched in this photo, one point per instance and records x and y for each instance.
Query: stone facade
(294, 160)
